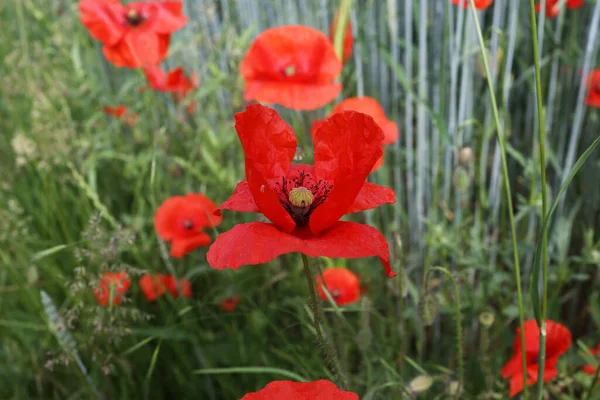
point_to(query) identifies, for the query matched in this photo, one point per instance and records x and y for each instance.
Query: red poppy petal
(181, 246)
(321, 389)
(297, 96)
(517, 383)
(347, 146)
(101, 19)
(241, 200)
(151, 286)
(589, 369)
(574, 3)
(558, 339)
(204, 207)
(168, 17)
(372, 196)
(342, 284)
(390, 131)
(512, 367)
(138, 48)
(164, 223)
(156, 77)
(269, 146)
(258, 243)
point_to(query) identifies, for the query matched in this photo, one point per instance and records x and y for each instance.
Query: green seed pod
(428, 309)
(486, 319)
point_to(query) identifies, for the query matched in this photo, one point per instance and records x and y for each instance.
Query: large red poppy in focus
(289, 390)
(369, 106)
(593, 96)
(304, 202)
(181, 220)
(294, 66)
(134, 34)
(479, 4)
(341, 283)
(553, 6)
(558, 341)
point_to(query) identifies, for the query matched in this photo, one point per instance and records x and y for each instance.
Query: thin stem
(329, 351)
(542, 146)
(458, 320)
(507, 190)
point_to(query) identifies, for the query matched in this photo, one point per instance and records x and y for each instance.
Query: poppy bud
(427, 309)
(465, 156)
(364, 338)
(420, 384)
(486, 319)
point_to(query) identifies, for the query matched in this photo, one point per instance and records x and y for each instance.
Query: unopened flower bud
(465, 156)
(486, 319)
(420, 384)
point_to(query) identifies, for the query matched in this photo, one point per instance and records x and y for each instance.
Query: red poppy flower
(369, 106)
(122, 113)
(589, 368)
(479, 4)
(553, 6)
(342, 284)
(230, 304)
(174, 82)
(348, 40)
(180, 220)
(176, 287)
(293, 66)
(134, 34)
(558, 341)
(117, 282)
(154, 286)
(593, 97)
(289, 390)
(304, 202)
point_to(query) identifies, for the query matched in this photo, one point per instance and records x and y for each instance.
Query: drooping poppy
(294, 66)
(553, 6)
(369, 106)
(342, 284)
(304, 202)
(593, 96)
(230, 304)
(122, 113)
(180, 220)
(589, 368)
(134, 34)
(289, 390)
(112, 284)
(348, 40)
(479, 4)
(558, 341)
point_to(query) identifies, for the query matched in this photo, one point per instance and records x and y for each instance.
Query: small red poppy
(479, 4)
(154, 286)
(589, 368)
(342, 284)
(348, 40)
(118, 282)
(304, 202)
(553, 6)
(371, 107)
(134, 34)
(230, 304)
(122, 113)
(294, 66)
(558, 341)
(174, 81)
(176, 287)
(180, 220)
(289, 390)
(593, 96)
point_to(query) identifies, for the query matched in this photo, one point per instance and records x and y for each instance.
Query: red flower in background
(593, 97)
(154, 286)
(117, 282)
(122, 113)
(348, 40)
(371, 107)
(558, 341)
(342, 284)
(589, 368)
(289, 390)
(230, 304)
(553, 6)
(304, 202)
(294, 66)
(134, 34)
(174, 82)
(479, 4)
(180, 220)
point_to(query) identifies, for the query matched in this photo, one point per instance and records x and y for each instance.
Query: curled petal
(181, 246)
(289, 390)
(166, 16)
(101, 18)
(241, 200)
(347, 146)
(372, 196)
(269, 147)
(258, 243)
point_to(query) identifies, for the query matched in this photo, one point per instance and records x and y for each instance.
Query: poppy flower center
(134, 17)
(301, 195)
(188, 224)
(335, 293)
(596, 85)
(290, 70)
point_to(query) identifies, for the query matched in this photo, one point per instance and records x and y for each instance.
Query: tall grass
(76, 183)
